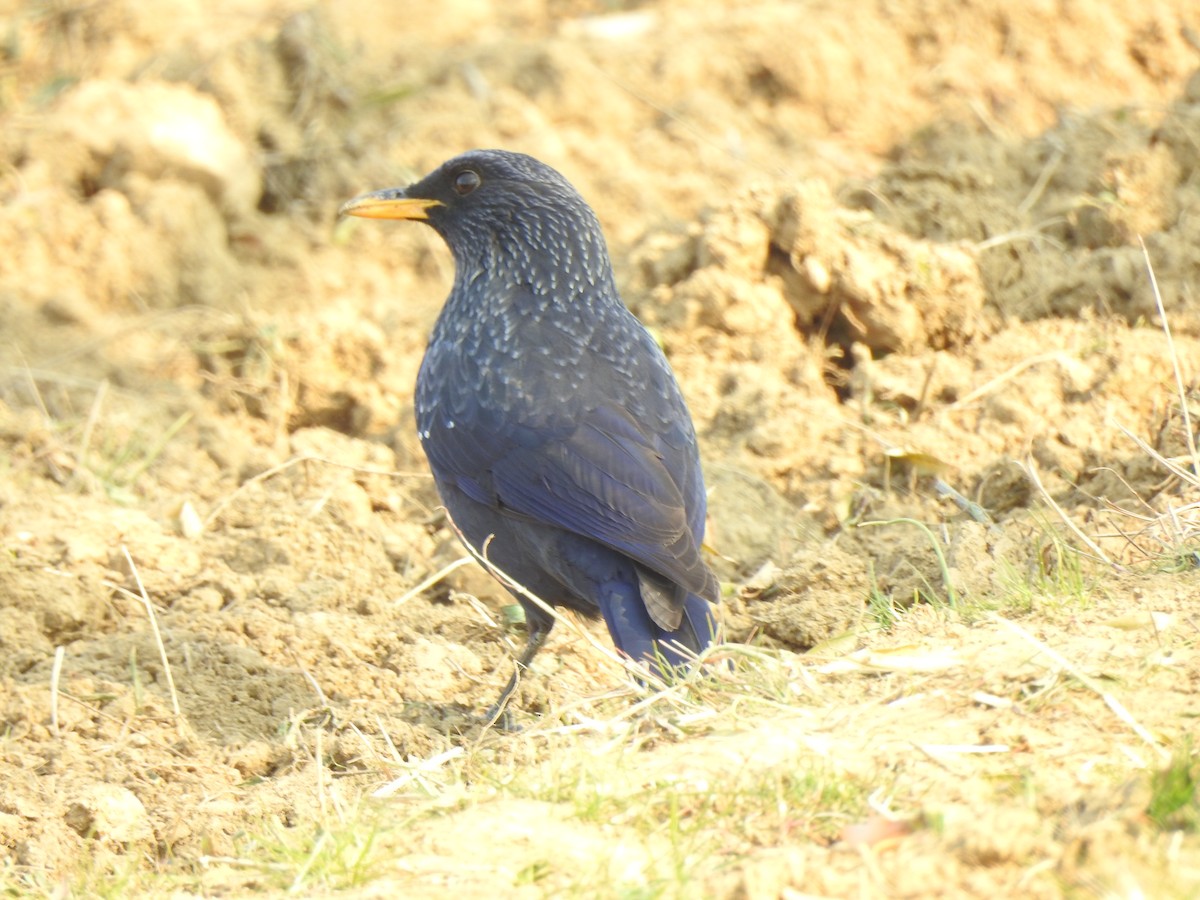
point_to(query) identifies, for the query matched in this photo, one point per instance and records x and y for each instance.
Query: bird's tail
(698, 630)
(638, 637)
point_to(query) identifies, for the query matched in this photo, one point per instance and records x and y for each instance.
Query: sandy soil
(880, 244)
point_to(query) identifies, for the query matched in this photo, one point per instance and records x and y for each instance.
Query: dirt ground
(887, 247)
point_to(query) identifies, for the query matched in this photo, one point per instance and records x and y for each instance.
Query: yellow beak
(388, 204)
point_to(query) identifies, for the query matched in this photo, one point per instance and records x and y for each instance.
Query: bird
(556, 432)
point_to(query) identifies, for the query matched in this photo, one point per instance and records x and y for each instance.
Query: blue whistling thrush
(553, 424)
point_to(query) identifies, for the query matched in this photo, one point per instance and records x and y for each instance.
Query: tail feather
(638, 637)
(698, 630)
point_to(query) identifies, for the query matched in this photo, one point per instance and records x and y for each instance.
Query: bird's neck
(574, 275)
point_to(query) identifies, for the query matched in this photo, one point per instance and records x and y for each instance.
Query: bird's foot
(501, 719)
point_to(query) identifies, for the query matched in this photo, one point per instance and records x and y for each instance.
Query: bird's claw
(501, 719)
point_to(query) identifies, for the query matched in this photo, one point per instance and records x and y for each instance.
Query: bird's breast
(503, 358)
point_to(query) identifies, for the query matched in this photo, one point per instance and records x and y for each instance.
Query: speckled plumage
(550, 417)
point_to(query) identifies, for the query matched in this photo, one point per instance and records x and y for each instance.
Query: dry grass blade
(1008, 375)
(1183, 399)
(418, 589)
(296, 460)
(55, 677)
(1087, 681)
(89, 426)
(417, 772)
(1175, 526)
(158, 641)
(1171, 465)
(1030, 468)
(1039, 186)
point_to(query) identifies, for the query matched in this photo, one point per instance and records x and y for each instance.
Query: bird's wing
(602, 478)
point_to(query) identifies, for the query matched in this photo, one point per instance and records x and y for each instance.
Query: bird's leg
(538, 632)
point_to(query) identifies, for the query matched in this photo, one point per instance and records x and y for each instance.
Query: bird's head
(495, 206)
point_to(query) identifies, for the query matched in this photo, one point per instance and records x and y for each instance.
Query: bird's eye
(466, 181)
